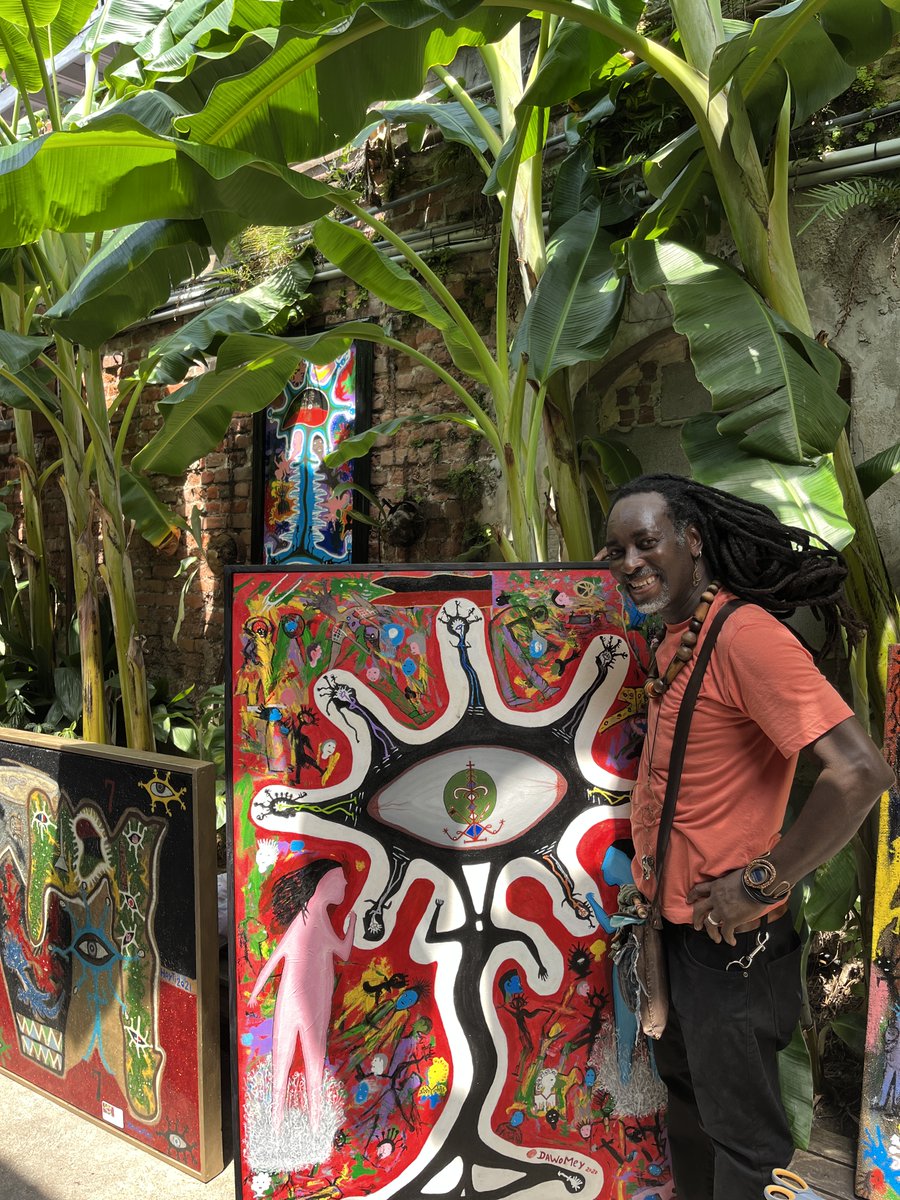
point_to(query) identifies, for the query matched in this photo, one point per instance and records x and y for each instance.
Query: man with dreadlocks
(683, 550)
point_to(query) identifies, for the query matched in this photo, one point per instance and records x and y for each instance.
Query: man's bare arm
(853, 775)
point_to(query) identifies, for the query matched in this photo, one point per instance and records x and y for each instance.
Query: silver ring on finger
(714, 923)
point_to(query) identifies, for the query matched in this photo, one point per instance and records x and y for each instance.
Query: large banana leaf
(17, 351)
(154, 111)
(576, 182)
(104, 179)
(154, 521)
(310, 95)
(124, 22)
(251, 370)
(262, 306)
(862, 32)
(878, 469)
(351, 250)
(360, 444)
(795, 1078)
(663, 168)
(173, 46)
(362, 262)
(450, 118)
(814, 63)
(36, 380)
(19, 51)
(777, 384)
(576, 54)
(833, 893)
(806, 496)
(134, 273)
(574, 311)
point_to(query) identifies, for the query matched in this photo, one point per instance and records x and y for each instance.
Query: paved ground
(48, 1153)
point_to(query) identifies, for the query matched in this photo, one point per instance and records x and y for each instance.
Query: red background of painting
(526, 896)
(179, 1093)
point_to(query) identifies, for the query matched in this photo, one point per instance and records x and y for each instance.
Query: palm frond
(832, 200)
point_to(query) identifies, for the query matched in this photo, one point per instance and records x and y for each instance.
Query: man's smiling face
(651, 559)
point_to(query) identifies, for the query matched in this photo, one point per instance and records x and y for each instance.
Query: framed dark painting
(429, 774)
(302, 508)
(878, 1162)
(109, 1001)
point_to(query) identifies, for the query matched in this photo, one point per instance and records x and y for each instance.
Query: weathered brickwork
(443, 468)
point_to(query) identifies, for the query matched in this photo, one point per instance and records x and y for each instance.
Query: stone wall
(646, 389)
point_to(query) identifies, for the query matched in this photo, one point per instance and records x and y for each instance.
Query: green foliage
(190, 724)
(260, 251)
(468, 484)
(832, 201)
(878, 469)
(777, 385)
(573, 313)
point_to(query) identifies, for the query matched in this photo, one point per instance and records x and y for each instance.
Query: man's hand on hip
(722, 907)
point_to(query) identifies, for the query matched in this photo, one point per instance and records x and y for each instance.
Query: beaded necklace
(655, 687)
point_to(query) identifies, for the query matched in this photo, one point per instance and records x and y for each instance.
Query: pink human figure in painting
(307, 951)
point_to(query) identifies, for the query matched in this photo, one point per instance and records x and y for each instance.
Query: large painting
(878, 1166)
(109, 998)
(302, 507)
(429, 772)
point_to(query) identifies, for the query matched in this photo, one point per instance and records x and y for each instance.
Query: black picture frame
(359, 531)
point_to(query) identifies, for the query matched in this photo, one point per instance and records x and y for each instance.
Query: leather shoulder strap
(680, 737)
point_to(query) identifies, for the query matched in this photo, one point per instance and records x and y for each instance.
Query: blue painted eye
(394, 634)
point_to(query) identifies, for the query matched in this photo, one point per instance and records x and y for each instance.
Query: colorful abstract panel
(109, 1000)
(878, 1165)
(303, 507)
(429, 775)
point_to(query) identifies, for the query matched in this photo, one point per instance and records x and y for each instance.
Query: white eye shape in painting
(470, 798)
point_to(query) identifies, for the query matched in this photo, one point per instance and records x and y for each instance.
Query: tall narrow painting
(878, 1165)
(430, 770)
(108, 941)
(303, 507)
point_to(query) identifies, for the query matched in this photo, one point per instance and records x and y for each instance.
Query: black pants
(717, 1057)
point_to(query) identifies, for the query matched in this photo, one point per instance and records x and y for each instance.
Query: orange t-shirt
(762, 700)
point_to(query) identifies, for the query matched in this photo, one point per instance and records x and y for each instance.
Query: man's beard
(657, 604)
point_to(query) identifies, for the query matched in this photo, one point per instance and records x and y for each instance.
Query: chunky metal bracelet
(760, 881)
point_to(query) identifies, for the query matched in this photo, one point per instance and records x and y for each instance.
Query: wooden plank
(832, 1180)
(834, 1146)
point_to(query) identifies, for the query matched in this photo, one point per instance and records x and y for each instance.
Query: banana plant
(739, 84)
(101, 223)
(189, 129)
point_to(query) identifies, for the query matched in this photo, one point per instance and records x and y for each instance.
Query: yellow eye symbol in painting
(160, 791)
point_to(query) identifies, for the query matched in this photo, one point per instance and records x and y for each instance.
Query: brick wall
(442, 467)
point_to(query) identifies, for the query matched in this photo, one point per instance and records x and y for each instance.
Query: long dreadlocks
(779, 567)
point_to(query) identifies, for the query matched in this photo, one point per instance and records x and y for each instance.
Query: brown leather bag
(653, 978)
(643, 973)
